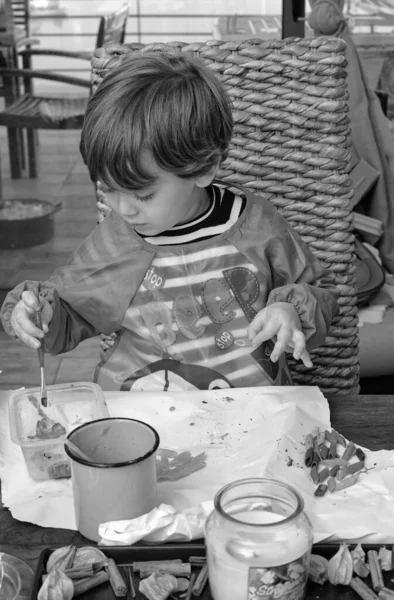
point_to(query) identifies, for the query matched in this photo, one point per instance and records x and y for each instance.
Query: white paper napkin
(245, 433)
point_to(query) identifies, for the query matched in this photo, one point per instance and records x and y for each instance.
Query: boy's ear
(206, 179)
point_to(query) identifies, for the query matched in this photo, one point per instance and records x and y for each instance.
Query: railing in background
(269, 24)
(58, 29)
(64, 27)
(169, 26)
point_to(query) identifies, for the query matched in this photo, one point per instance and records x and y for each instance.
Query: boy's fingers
(299, 342)
(283, 337)
(266, 333)
(33, 305)
(31, 301)
(46, 316)
(257, 324)
(24, 326)
(306, 359)
(26, 337)
(30, 341)
(23, 321)
(299, 348)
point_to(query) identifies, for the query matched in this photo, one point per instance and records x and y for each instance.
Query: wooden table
(366, 420)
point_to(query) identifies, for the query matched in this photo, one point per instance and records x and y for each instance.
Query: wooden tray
(128, 554)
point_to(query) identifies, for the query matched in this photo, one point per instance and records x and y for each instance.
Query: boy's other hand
(23, 319)
(280, 322)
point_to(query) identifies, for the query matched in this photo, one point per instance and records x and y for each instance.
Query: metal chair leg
(31, 150)
(1, 184)
(15, 154)
(22, 149)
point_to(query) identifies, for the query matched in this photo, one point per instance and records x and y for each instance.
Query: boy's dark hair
(169, 105)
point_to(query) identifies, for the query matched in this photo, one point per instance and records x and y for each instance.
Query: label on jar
(284, 582)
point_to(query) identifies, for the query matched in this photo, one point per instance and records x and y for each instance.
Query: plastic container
(16, 578)
(258, 541)
(119, 481)
(70, 405)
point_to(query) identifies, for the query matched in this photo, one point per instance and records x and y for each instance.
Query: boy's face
(169, 201)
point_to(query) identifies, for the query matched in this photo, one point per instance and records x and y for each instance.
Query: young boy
(195, 278)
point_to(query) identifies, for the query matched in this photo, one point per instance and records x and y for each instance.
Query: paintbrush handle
(41, 348)
(76, 450)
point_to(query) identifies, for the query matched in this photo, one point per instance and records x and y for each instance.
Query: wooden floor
(62, 176)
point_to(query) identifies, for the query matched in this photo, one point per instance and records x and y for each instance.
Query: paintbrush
(43, 390)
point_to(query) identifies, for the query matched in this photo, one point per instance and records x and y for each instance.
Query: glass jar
(258, 542)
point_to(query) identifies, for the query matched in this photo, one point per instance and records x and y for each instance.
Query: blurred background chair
(15, 29)
(24, 110)
(14, 37)
(112, 28)
(290, 145)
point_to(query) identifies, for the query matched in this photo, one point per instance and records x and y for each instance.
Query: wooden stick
(386, 594)
(190, 588)
(80, 572)
(375, 570)
(178, 570)
(197, 560)
(138, 565)
(131, 582)
(76, 573)
(115, 578)
(84, 585)
(201, 581)
(362, 589)
(76, 450)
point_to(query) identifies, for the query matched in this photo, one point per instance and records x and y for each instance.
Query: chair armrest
(53, 52)
(27, 74)
(26, 42)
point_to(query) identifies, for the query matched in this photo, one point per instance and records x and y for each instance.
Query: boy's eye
(145, 198)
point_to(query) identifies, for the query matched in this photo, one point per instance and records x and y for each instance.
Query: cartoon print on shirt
(158, 319)
(245, 287)
(216, 297)
(171, 375)
(215, 320)
(187, 314)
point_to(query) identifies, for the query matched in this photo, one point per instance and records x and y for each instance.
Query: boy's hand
(280, 322)
(23, 319)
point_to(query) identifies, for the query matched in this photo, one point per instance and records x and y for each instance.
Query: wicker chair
(290, 145)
